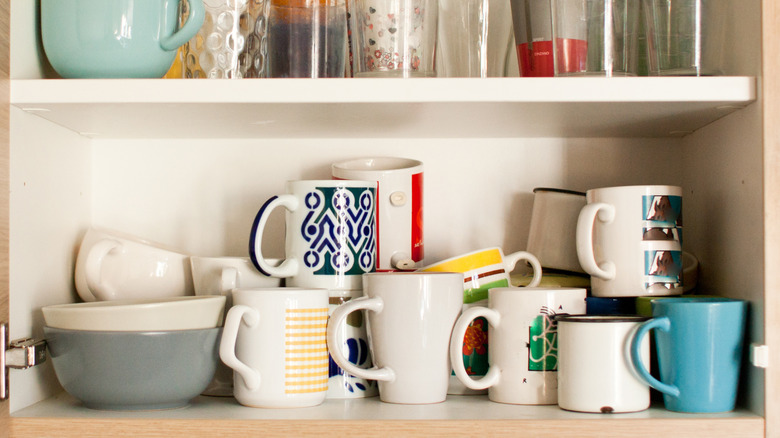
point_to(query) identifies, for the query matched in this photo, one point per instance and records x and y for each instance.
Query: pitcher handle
(191, 27)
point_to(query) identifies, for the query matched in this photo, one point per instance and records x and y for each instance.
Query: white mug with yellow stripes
(274, 339)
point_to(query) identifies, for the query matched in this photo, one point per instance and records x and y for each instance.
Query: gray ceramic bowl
(134, 370)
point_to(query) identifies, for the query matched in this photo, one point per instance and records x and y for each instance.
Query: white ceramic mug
(410, 318)
(523, 348)
(330, 238)
(341, 384)
(274, 339)
(399, 206)
(482, 270)
(112, 265)
(219, 276)
(594, 364)
(620, 228)
(552, 237)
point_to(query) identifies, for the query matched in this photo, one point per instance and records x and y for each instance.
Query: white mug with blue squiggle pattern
(330, 239)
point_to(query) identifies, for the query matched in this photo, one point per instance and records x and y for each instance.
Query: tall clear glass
(685, 37)
(306, 38)
(474, 38)
(533, 37)
(595, 37)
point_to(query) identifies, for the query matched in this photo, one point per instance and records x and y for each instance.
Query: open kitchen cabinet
(189, 162)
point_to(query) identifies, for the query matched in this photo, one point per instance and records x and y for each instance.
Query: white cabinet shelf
(385, 108)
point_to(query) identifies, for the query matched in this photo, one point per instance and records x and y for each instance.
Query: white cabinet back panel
(202, 195)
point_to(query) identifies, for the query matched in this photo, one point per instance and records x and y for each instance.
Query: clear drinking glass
(533, 37)
(595, 37)
(393, 38)
(685, 37)
(229, 44)
(474, 38)
(307, 38)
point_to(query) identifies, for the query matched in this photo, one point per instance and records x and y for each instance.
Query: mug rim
(333, 183)
(647, 187)
(601, 318)
(358, 164)
(101, 232)
(463, 256)
(555, 190)
(692, 301)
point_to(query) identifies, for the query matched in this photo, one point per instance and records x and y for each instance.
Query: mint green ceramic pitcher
(115, 38)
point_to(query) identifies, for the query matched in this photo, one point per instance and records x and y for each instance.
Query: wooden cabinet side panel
(771, 103)
(5, 87)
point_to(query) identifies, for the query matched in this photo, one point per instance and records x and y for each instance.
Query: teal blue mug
(116, 38)
(699, 343)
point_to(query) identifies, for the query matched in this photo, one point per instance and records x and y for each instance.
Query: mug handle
(337, 320)
(289, 267)
(227, 344)
(229, 280)
(663, 323)
(191, 27)
(585, 222)
(511, 260)
(93, 266)
(456, 346)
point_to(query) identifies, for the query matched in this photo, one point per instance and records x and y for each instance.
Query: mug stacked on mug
(629, 239)
(330, 242)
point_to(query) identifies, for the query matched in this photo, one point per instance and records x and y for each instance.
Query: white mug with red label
(399, 207)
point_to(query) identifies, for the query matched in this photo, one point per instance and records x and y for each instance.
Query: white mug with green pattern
(482, 270)
(523, 355)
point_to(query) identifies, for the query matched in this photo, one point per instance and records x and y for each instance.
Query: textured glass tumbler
(685, 37)
(307, 38)
(393, 38)
(474, 38)
(595, 37)
(230, 44)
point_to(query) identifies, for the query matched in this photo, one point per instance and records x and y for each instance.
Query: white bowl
(175, 313)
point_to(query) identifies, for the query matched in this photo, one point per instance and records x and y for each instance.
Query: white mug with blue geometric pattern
(330, 239)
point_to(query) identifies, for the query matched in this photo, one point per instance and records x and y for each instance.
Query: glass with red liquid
(533, 37)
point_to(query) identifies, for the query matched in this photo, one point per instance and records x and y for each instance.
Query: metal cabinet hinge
(18, 354)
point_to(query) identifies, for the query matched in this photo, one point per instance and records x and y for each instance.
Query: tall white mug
(629, 239)
(523, 353)
(274, 339)
(399, 206)
(410, 318)
(330, 237)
